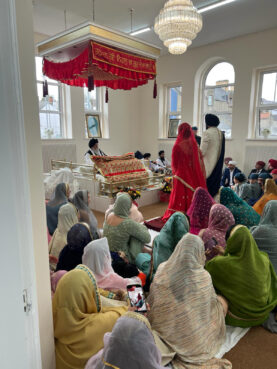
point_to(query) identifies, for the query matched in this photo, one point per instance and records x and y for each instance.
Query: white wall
(245, 53)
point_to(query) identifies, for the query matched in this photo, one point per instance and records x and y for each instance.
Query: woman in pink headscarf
(220, 220)
(188, 171)
(199, 210)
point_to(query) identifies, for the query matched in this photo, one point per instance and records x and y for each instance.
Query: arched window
(218, 91)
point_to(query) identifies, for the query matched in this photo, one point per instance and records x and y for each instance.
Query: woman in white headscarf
(67, 217)
(130, 345)
(185, 310)
(97, 257)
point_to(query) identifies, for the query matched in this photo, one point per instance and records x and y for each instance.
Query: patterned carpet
(257, 349)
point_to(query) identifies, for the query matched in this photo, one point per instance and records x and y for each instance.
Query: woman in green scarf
(243, 213)
(246, 278)
(123, 233)
(164, 244)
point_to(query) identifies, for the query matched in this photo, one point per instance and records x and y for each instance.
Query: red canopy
(101, 65)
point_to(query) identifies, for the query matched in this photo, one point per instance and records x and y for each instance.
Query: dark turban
(264, 176)
(240, 177)
(273, 163)
(212, 120)
(261, 163)
(254, 176)
(92, 142)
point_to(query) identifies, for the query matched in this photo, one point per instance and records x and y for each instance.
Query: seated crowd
(211, 267)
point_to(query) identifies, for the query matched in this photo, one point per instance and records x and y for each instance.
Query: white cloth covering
(233, 336)
(97, 257)
(63, 175)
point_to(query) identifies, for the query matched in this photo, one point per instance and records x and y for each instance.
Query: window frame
(168, 112)
(208, 87)
(60, 112)
(101, 111)
(259, 106)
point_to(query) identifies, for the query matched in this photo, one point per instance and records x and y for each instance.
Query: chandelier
(178, 24)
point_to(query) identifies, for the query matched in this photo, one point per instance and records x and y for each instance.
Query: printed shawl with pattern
(185, 311)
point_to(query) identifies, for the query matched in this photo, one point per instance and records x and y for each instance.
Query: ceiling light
(216, 5)
(139, 31)
(178, 24)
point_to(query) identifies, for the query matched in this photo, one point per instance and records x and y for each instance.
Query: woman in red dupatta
(188, 171)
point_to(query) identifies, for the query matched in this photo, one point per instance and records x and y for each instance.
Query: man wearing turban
(259, 168)
(93, 150)
(213, 150)
(272, 164)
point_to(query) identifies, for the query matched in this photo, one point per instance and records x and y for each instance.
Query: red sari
(188, 171)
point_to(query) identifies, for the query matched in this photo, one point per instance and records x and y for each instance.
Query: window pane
(269, 93)
(50, 125)
(219, 99)
(39, 75)
(91, 100)
(50, 102)
(225, 123)
(221, 74)
(173, 124)
(175, 98)
(268, 120)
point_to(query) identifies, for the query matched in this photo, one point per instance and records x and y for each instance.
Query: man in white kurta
(212, 148)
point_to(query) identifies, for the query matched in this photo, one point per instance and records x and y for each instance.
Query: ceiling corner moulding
(68, 44)
(177, 25)
(139, 31)
(214, 6)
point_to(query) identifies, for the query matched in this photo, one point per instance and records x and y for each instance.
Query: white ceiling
(232, 20)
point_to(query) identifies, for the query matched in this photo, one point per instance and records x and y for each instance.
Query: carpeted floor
(257, 349)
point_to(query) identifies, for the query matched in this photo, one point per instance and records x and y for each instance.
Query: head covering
(194, 128)
(55, 277)
(240, 177)
(228, 158)
(274, 171)
(77, 239)
(182, 295)
(212, 120)
(199, 210)
(80, 200)
(273, 163)
(122, 206)
(245, 276)
(188, 169)
(59, 195)
(62, 175)
(78, 327)
(242, 212)
(261, 163)
(98, 258)
(92, 142)
(220, 220)
(123, 347)
(265, 234)
(66, 219)
(53, 206)
(232, 162)
(270, 193)
(264, 176)
(253, 176)
(164, 244)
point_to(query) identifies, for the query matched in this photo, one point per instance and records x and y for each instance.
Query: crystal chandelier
(178, 24)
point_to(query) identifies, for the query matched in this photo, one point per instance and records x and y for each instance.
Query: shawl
(265, 234)
(185, 310)
(77, 239)
(188, 170)
(243, 213)
(123, 347)
(220, 220)
(53, 206)
(164, 244)
(81, 201)
(122, 206)
(245, 277)
(270, 193)
(66, 219)
(79, 320)
(98, 258)
(199, 210)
